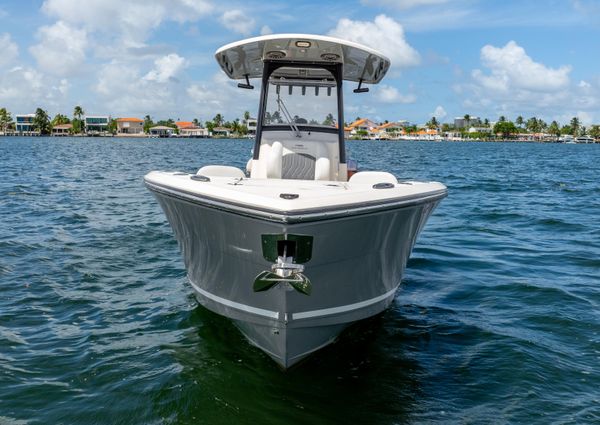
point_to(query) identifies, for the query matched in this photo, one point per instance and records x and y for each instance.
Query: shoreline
(145, 137)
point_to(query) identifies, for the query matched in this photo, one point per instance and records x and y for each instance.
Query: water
(497, 319)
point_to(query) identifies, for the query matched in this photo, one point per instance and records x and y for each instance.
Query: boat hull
(356, 266)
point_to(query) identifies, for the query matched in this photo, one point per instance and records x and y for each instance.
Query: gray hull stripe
(343, 308)
(238, 306)
(295, 316)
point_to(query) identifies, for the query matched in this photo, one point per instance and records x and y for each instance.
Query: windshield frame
(336, 71)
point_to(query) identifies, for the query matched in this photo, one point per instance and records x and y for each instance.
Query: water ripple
(497, 319)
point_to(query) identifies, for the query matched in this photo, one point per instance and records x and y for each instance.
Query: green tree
(506, 128)
(433, 123)
(5, 119)
(329, 120)
(467, 119)
(575, 126)
(209, 125)
(246, 116)
(112, 126)
(78, 112)
(147, 124)
(554, 129)
(41, 121)
(532, 125)
(519, 121)
(486, 122)
(595, 131)
(196, 122)
(235, 125)
(446, 127)
(502, 118)
(276, 118)
(60, 119)
(566, 129)
(78, 126)
(218, 120)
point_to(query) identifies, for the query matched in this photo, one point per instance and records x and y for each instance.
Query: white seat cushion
(373, 177)
(220, 171)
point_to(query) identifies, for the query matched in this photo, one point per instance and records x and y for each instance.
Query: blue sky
(449, 57)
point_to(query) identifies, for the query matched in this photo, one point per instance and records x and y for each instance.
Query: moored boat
(294, 250)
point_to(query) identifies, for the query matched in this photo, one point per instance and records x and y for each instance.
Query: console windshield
(293, 101)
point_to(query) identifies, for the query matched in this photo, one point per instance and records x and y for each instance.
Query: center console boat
(292, 249)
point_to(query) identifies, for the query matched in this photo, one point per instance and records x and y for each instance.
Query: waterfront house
(391, 130)
(193, 132)
(161, 131)
(251, 126)
(188, 129)
(184, 124)
(363, 128)
(62, 129)
(130, 126)
(221, 132)
(24, 123)
(96, 124)
(460, 122)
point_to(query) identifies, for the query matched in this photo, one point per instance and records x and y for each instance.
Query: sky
(449, 57)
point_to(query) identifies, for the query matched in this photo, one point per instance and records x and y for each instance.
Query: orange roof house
(185, 124)
(130, 126)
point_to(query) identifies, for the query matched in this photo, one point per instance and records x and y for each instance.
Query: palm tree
(486, 122)
(502, 118)
(77, 123)
(246, 116)
(467, 119)
(433, 123)
(60, 119)
(519, 121)
(41, 122)
(218, 120)
(575, 124)
(5, 119)
(147, 124)
(78, 112)
(554, 129)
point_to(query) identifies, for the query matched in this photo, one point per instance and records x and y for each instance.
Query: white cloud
(221, 95)
(23, 89)
(511, 68)
(383, 34)
(238, 21)
(265, 30)
(9, 50)
(584, 84)
(61, 49)
(132, 19)
(20, 80)
(440, 113)
(403, 4)
(389, 94)
(166, 68)
(123, 89)
(514, 84)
